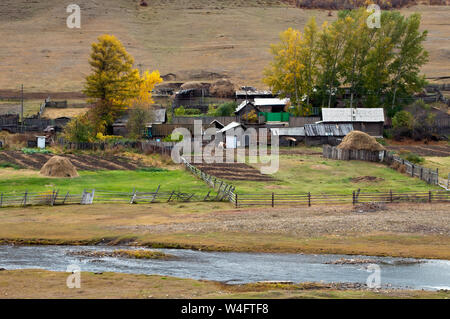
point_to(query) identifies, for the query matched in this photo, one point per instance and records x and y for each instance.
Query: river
(236, 268)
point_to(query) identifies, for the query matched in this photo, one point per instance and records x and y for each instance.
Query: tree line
(377, 67)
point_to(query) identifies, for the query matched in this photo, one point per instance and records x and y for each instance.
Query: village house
(120, 125)
(368, 120)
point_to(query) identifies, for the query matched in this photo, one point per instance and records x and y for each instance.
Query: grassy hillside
(193, 39)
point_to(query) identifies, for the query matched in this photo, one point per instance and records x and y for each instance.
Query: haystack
(59, 166)
(193, 85)
(357, 140)
(222, 88)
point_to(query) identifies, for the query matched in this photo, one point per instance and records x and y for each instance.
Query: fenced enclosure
(224, 190)
(163, 148)
(87, 197)
(356, 197)
(414, 170)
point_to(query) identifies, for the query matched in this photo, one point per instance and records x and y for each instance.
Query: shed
(246, 107)
(232, 141)
(120, 125)
(274, 105)
(368, 120)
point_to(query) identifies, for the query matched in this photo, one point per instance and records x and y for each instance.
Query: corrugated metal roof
(230, 126)
(253, 92)
(328, 129)
(274, 101)
(288, 131)
(352, 115)
(242, 105)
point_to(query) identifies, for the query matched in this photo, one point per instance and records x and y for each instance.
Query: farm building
(232, 141)
(368, 120)
(312, 134)
(250, 93)
(120, 125)
(246, 107)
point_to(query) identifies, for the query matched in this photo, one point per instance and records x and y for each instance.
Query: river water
(236, 268)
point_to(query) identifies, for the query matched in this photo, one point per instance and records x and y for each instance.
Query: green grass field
(170, 180)
(313, 173)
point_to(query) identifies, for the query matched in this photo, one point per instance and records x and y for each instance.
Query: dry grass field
(194, 39)
(402, 230)
(50, 285)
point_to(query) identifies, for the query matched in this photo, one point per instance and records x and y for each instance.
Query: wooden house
(368, 120)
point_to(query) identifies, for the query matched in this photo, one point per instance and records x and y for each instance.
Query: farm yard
(360, 178)
(313, 173)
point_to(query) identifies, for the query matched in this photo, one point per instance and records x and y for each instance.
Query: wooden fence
(163, 148)
(87, 197)
(224, 190)
(206, 120)
(299, 121)
(97, 145)
(414, 170)
(357, 197)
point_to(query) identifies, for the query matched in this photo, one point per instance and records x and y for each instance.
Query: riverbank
(398, 230)
(49, 285)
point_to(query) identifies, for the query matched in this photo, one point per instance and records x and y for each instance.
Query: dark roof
(328, 129)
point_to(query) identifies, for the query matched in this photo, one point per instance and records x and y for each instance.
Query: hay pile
(222, 88)
(59, 166)
(357, 140)
(193, 85)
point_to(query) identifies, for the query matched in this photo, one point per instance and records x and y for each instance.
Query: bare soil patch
(365, 179)
(234, 172)
(80, 161)
(438, 150)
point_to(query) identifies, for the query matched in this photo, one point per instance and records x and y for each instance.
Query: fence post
(236, 201)
(170, 197)
(273, 199)
(412, 170)
(448, 182)
(25, 199)
(353, 201)
(64, 201)
(429, 196)
(156, 193)
(390, 193)
(1, 197)
(133, 196)
(309, 199)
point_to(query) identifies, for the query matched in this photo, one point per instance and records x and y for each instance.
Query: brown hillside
(195, 40)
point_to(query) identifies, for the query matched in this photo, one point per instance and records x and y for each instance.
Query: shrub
(193, 112)
(180, 111)
(226, 109)
(35, 151)
(171, 138)
(403, 119)
(79, 130)
(137, 122)
(413, 158)
(251, 117)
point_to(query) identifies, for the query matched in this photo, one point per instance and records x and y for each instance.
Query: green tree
(330, 52)
(410, 55)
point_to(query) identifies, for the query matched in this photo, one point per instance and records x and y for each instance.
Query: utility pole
(21, 109)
